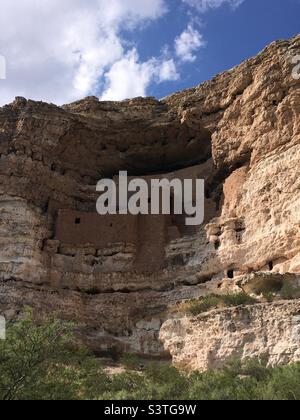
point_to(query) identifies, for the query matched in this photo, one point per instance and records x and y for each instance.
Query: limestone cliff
(261, 331)
(239, 131)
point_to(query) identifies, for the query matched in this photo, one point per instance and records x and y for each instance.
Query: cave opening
(217, 245)
(188, 155)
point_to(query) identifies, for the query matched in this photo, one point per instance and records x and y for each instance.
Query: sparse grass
(290, 292)
(207, 303)
(196, 307)
(269, 297)
(238, 299)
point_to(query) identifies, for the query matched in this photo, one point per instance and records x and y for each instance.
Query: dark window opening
(240, 230)
(218, 203)
(46, 207)
(111, 225)
(230, 274)
(271, 265)
(217, 245)
(77, 221)
(207, 194)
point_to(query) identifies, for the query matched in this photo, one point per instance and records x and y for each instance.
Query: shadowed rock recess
(117, 277)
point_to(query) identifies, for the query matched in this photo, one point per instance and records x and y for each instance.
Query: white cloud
(167, 70)
(58, 51)
(62, 50)
(205, 5)
(189, 42)
(129, 77)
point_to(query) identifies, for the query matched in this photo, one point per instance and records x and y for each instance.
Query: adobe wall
(150, 234)
(153, 238)
(80, 228)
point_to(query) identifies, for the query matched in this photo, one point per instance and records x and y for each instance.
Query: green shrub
(290, 292)
(269, 296)
(204, 304)
(37, 362)
(196, 307)
(238, 299)
(130, 361)
(114, 353)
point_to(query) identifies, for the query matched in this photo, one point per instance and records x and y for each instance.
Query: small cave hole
(217, 245)
(77, 221)
(207, 194)
(46, 207)
(230, 274)
(271, 265)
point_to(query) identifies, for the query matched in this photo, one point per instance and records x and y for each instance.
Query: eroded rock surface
(263, 331)
(239, 131)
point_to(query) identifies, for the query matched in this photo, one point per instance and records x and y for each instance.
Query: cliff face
(208, 341)
(239, 131)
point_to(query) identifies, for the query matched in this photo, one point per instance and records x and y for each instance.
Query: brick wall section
(80, 228)
(153, 238)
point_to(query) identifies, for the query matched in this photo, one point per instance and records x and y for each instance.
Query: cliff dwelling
(146, 235)
(120, 277)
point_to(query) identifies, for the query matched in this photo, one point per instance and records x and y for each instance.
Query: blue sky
(232, 37)
(63, 50)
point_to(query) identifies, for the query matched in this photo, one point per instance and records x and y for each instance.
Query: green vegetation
(204, 304)
(130, 361)
(269, 297)
(39, 362)
(290, 292)
(238, 299)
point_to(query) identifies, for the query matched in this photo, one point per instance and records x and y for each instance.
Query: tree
(28, 353)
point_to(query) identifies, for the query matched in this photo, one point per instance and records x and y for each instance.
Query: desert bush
(204, 304)
(290, 292)
(196, 307)
(238, 299)
(269, 296)
(130, 361)
(39, 362)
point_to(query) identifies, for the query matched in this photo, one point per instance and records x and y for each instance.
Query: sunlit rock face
(263, 331)
(240, 132)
